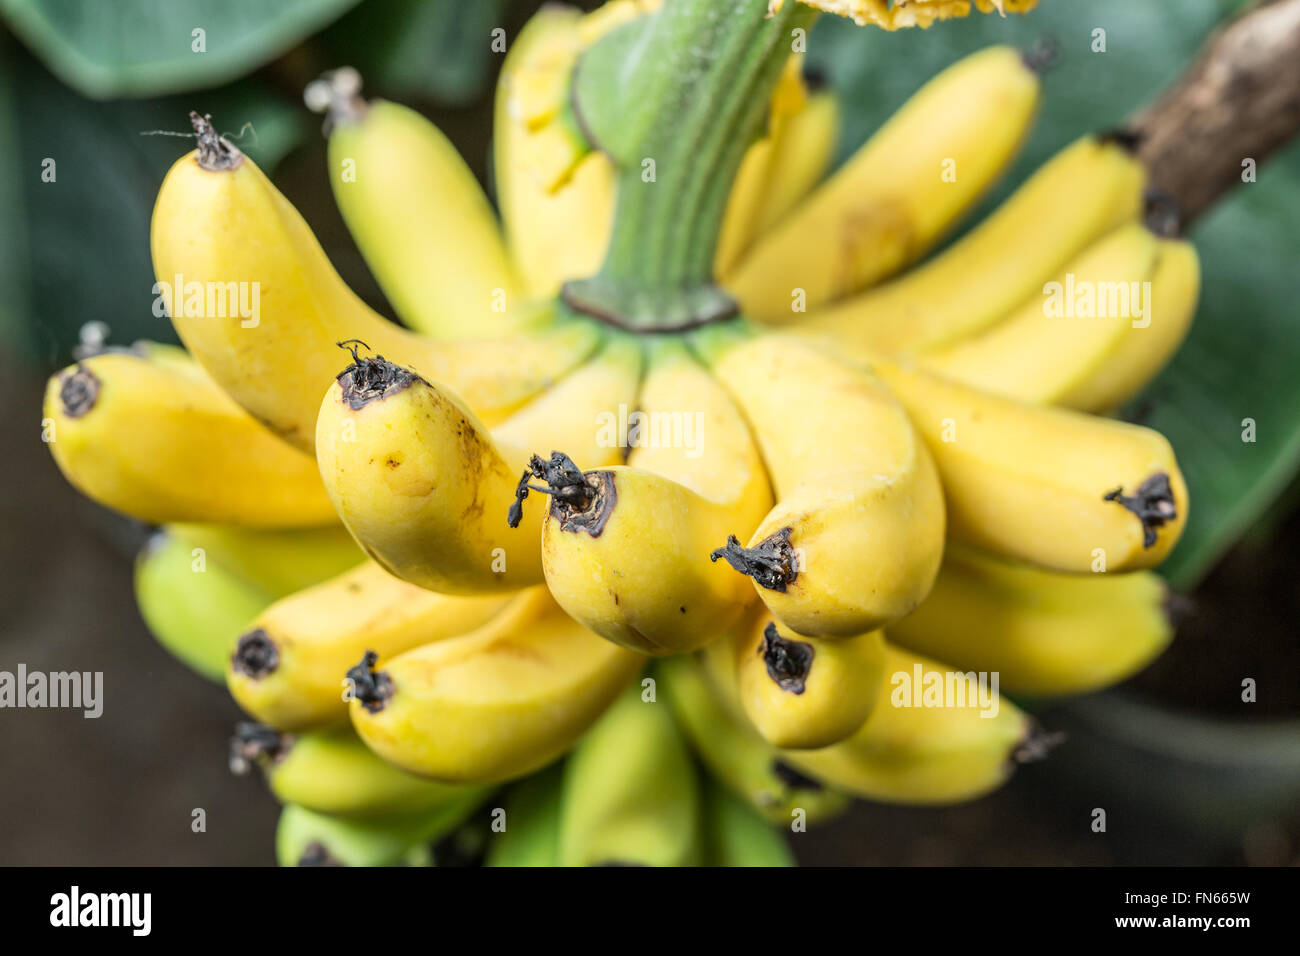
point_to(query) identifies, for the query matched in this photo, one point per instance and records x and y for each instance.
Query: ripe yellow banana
(222, 231)
(278, 561)
(418, 216)
(1083, 192)
(626, 549)
(158, 440)
(494, 704)
(899, 193)
(735, 753)
(856, 536)
(332, 771)
(912, 753)
(801, 154)
(799, 692)
(1143, 352)
(195, 614)
(631, 796)
(289, 665)
(420, 482)
(1047, 354)
(1048, 486)
(1043, 633)
(580, 210)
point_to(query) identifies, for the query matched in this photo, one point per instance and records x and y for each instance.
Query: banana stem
(675, 99)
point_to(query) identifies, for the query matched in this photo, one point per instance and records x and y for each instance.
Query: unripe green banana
(196, 615)
(307, 838)
(280, 561)
(630, 793)
(735, 834)
(532, 833)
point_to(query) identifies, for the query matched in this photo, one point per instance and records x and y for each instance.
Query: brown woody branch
(1239, 100)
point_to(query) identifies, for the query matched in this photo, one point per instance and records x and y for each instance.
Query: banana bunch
(752, 534)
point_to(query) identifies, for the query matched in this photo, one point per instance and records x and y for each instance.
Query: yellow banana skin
(890, 202)
(1046, 634)
(424, 487)
(630, 792)
(799, 692)
(1143, 352)
(195, 615)
(858, 527)
(495, 704)
(801, 154)
(1034, 356)
(231, 225)
(1088, 189)
(289, 664)
(278, 561)
(331, 771)
(924, 755)
(632, 564)
(418, 216)
(735, 753)
(1047, 486)
(158, 440)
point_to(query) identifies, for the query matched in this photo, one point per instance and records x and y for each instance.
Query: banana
(1046, 356)
(277, 561)
(424, 487)
(801, 153)
(1143, 352)
(161, 442)
(532, 827)
(222, 230)
(625, 549)
(580, 210)
(288, 667)
(195, 616)
(306, 838)
(1043, 633)
(631, 796)
(420, 219)
(1083, 192)
(331, 771)
(899, 193)
(735, 753)
(735, 834)
(800, 692)
(913, 754)
(495, 704)
(1048, 486)
(856, 536)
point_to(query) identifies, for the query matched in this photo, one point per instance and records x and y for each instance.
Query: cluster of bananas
(916, 466)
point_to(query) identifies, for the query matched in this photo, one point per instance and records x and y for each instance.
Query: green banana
(737, 835)
(279, 561)
(532, 833)
(307, 838)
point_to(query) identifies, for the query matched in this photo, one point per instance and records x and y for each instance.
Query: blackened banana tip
(79, 391)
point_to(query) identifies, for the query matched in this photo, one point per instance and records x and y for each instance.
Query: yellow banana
(801, 153)
(289, 666)
(631, 796)
(899, 193)
(278, 561)
(735, 753)
(856, 536)
(161, 442)
(800, 692)
(1044, 633)
(625, 549)
(912, 752)
(331, 771)
(1048, 486)
(418, 216)
(222, 231)
(424, 487)
(1080, 194)
(1050, 347)
(889, 15)
(1143, 352)
(494, 704)
(196, 611)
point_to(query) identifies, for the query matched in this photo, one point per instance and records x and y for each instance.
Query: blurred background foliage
(99, 88)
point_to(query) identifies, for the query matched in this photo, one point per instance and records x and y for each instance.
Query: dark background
(1186, 773)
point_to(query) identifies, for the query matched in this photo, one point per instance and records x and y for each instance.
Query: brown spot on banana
(79, 391)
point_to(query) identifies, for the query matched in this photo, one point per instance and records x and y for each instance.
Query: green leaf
(87, 228)
(146, 47)
(1241, 358)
